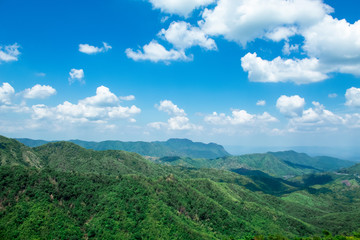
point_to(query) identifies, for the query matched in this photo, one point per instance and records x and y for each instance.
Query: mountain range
(171, 147)
(63, 191)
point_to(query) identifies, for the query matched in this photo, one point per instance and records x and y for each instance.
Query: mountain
(352, 170)
(31, 142)
(188, 148)
(172, 147)
(322, 163)
(67, 156)
(278, 164)
(13, 152)
(77, 193)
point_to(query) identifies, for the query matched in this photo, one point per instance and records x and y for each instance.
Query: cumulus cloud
(178, 119)
(332, 45)
(9, 53)
(180, 7)
(281, 70)
(288, 49)
(6, 93)
(291, 106)
(352, 96)
(170, 108)
(176, 123)
(127, 98)
(181, 123)
(243, 21)
(101, 108)
(103, 97)
(316, 119)
(261, 103)
(238, 117)
(88, 49)
(332, 95)
(281, 33)
(39, 91)
(182, 36)
(336, 43)
(76, 75)
(156, 52)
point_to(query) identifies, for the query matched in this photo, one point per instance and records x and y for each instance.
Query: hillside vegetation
(278, 164)
(76, 193)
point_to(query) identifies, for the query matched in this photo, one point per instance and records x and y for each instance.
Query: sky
(236, 72)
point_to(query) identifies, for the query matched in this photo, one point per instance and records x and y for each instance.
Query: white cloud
(124, 112)
(281, 70)
(170, 108)
(332, 46)
(352, 96)
(156, 52)
(180, 7)
(281, 33)
(9, 53)
(76, 75)
(88, 49)
(182, 36)
(157, 125)
(288, 49)
(352, 120)
(178, 119)
(39, 91)
(6, 93)
(290, 106)
(261, 103)
(164, 19)
(332, 95)
(316, 119)
(101, 108)
(335, 43)
(40, 74)
(181, 123)
(103, 97)
(127, 98)
(176, 123)
(239, 117)
(243, 21)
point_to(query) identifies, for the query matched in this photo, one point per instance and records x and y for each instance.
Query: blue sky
(235, 72)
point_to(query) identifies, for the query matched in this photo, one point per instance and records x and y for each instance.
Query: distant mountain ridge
(323, 163)
(171, 147)
(278, 164)
(186, 153)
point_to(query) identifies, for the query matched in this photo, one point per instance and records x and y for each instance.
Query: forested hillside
(278, 164)
(74, 193)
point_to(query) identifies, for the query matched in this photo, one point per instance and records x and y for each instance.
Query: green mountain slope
(13, 152)
(186, 147)
(264, 162)
(67, 156)
(78, 193)
(323, 163)
(352, 170)
(279, 164)
(172, 147)
(50, 204)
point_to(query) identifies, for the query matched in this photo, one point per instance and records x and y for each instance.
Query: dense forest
(63, 191)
